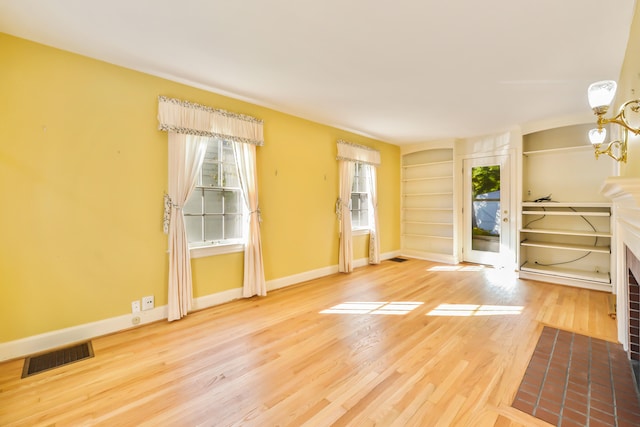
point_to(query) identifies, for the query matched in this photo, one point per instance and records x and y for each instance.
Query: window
(360, 197)
(213, 215)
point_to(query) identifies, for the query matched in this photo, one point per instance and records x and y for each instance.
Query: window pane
(193, 224)
(232, 202)
(354, 184)
(213, 227)
(364, 218)
(213, 150)
(485, 218)
(364, 201)
(360, 182)
(194, 204)
(364, 183)
(210, 174)
(233, 226)
(230, 176)
(355, 219)
(359, 210)
(227, 152)
(213, 201)
(355, 201)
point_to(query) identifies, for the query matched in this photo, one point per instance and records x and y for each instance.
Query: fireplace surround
(633, 265)
(625, 194)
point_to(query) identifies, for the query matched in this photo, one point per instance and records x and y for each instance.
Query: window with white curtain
(360, 197)
(214, 213)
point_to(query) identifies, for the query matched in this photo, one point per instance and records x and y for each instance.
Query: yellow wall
(82, 172)
(629, 88)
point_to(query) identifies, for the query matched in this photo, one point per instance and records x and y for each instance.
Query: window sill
(359, 231)
(205, 251)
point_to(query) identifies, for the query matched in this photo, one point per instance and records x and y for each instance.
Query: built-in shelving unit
(569, 238)
(567, 242)
(427, 204)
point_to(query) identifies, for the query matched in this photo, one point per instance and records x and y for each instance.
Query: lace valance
(189, 118)
(358, 153)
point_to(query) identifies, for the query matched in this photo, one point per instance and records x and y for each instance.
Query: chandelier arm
(621, 146)
(621, 118)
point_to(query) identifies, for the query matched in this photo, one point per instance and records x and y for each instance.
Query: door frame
(508, 254)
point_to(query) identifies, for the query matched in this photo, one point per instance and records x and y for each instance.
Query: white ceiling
(402, 71)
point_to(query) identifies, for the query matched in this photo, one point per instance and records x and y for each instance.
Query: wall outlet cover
(135, 306)
(148, 303)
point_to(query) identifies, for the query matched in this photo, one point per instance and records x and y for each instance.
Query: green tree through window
(485, 179)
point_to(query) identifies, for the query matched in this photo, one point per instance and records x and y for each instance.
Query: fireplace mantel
(622, 190)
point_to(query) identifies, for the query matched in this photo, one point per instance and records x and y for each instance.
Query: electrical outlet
(148, 303)
(135, 306)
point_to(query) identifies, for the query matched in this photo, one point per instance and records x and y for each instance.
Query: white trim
(61, 337)
(321, 272)
(218, 298)
(283, 282)
(360, 231)
(205, 251)
(54, 339)
(431, 256)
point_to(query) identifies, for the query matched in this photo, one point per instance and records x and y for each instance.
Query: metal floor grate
(398, 259)
(56, 358)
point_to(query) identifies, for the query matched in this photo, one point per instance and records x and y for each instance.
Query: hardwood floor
(284, 360)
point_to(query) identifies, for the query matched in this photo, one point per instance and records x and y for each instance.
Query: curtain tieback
(258, 212)
(340, 205)
(166, 218)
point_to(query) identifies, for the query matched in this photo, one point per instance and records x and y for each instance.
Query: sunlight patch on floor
(467, 310)
(397, 308)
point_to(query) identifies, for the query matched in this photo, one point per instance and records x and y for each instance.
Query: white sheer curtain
(186, 153)
(189, 125)
(348, 155)
(345, 257)
(254, 282)
(374, 232)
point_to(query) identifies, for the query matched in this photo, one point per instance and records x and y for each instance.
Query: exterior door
(486, 210)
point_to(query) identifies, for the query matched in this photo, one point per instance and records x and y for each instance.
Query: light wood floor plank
(284, 360)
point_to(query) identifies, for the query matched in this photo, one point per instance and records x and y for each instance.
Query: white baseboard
(431, 256)
(301, 277)
(62, 337)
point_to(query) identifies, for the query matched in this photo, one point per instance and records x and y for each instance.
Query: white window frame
(357, 230)
(212, 248)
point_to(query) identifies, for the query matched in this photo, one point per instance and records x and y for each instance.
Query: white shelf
(566, 232)
(428, 236)
(567, 246)
(428, 164)
(429, 209)
(568, 213)
(559, 150)
(591, 276)
(431, 178)
(427, 194)
(528, 204)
